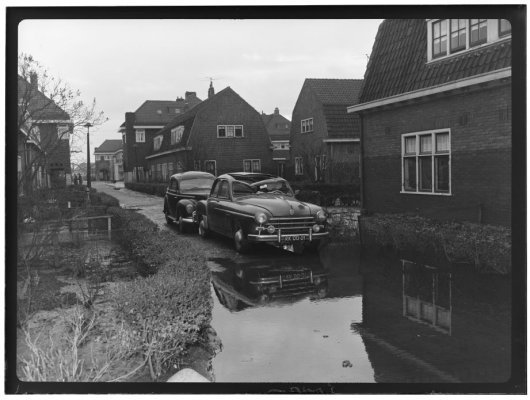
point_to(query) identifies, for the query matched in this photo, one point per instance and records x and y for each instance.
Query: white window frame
(252, 160)
(157, 142)
(493, 35)
(232, 128)
(176, 134)
(417, 155)
(215, 166)
(306, 125)
(140, 135)
(197, 165)
(63, 131)
(298, 165)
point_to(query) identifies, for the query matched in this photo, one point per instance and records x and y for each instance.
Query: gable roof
(109, 146)
(272, 121)
(398, 63)
(38, 105)
(335, 91)
(160, 112)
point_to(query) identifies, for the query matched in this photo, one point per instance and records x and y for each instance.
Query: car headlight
(321, 216)
(189, 208)
(260, 218)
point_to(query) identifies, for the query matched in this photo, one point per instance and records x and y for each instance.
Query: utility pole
(89, 170)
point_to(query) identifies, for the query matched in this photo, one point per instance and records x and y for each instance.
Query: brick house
(279, 129)
(109, 160)
(221, 134)
(140, 127)
(43, 139)
(324, 137)
(436, 120)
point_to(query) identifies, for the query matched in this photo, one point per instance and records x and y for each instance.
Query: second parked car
(183, 192)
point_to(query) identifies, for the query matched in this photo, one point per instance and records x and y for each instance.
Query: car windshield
(240, 189)
(276, 186)
(196, 184)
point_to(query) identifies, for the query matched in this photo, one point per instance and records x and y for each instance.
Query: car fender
(182, 203)
(201, 207)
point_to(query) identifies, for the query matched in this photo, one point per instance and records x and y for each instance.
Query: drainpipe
(361, 165)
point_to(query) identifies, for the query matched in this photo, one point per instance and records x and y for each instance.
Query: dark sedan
(183, 192)
(255, 207)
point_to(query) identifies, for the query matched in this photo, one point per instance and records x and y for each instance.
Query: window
(230, 131)
(426, 162)
(63, 132)
(140, 135)
(478, 31)
(210, 167)
(176, 134)
(157, 142)
(241, 189)
(298, 166)
(197, 165)
(124, 138)
(102, 158)
(223, 190)
(320, 167)
(458, 34)
(505, 28)
(306, 125)
(439, 38)
(252, 165)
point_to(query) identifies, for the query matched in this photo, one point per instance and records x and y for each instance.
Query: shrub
(486, 247)
(169, 309)
(157, 189)
(328, 194)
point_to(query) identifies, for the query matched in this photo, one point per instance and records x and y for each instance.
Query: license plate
(293, 238)
(296, 275)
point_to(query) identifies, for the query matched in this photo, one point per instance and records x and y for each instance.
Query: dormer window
(157, 142)
(458, 34)
(439, 38)
(505, 28)
(478, 31)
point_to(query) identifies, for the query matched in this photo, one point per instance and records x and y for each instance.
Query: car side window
(215, 189)
(173, 184)
(223, 190)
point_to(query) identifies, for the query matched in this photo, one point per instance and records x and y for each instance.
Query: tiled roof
(160, 112)
(109, 146)
(271, 121)
(398, 63)
(336, 91)
(340, 123)
(279, 153)
(39, 106)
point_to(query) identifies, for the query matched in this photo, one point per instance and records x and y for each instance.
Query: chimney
(33, 79)
(276, 111)
(190, 95)
(211, 90)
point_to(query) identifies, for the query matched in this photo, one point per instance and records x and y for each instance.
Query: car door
(212, 205)
(223, 218)
(171, 195)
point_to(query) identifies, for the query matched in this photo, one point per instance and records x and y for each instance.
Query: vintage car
(260, 208)
(183, 192)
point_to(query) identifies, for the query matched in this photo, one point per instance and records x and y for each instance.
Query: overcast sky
(122, 63)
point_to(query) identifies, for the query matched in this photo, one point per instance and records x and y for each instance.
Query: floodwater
(339, 317)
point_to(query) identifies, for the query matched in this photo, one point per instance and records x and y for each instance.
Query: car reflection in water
(269, 282)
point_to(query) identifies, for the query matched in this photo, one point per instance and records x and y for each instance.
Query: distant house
(279, 129)
(109, 160)
(221, 134)
(436, 112)
(140, 126)
(324, 137)
(43, 139)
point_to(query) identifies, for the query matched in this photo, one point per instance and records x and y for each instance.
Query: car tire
(203, 231)
(240, 242)
(182, 225)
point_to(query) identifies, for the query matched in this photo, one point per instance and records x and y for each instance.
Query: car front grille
(293, 225)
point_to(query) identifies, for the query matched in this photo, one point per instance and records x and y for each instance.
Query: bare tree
(315, 160)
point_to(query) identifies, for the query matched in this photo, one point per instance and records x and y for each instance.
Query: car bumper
(287, 238)
(189, 220)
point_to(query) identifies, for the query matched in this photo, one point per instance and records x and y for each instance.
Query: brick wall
(480, 123)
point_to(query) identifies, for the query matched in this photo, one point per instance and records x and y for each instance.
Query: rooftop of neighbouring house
(278, 127)
(109, 146)
(398, 62)
(37, 104)
(336, 91)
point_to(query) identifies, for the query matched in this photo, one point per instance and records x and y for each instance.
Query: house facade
(44, 131)
(436, 120)
(279, 129)
(221, 134)
(324, 138)
(140, 127)
(109, 160)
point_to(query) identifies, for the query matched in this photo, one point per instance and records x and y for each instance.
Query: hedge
(328, 194)
(486, 247)
(157, 189)
(169, 307)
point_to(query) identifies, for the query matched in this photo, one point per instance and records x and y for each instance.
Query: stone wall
(343, 222)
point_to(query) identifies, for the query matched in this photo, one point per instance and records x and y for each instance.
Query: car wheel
(240, 242)
(203, 232)
(182, 225)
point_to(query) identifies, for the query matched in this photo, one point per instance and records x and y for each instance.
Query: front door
(281, 169)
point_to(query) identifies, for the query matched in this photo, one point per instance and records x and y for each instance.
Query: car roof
(191, 175)
(247, 176)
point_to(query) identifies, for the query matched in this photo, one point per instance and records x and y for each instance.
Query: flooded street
(337, 317)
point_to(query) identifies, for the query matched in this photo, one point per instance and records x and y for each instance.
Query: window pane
(409, 173)
(426, 173)
(436, 31)
(221, 131)
(443, 27)
(442, 142)
(426, 144)
(410, 145)
(230, 131)
(256, 166)
(239, 131)
(441, 170)
(504, 26)
(246, 165)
